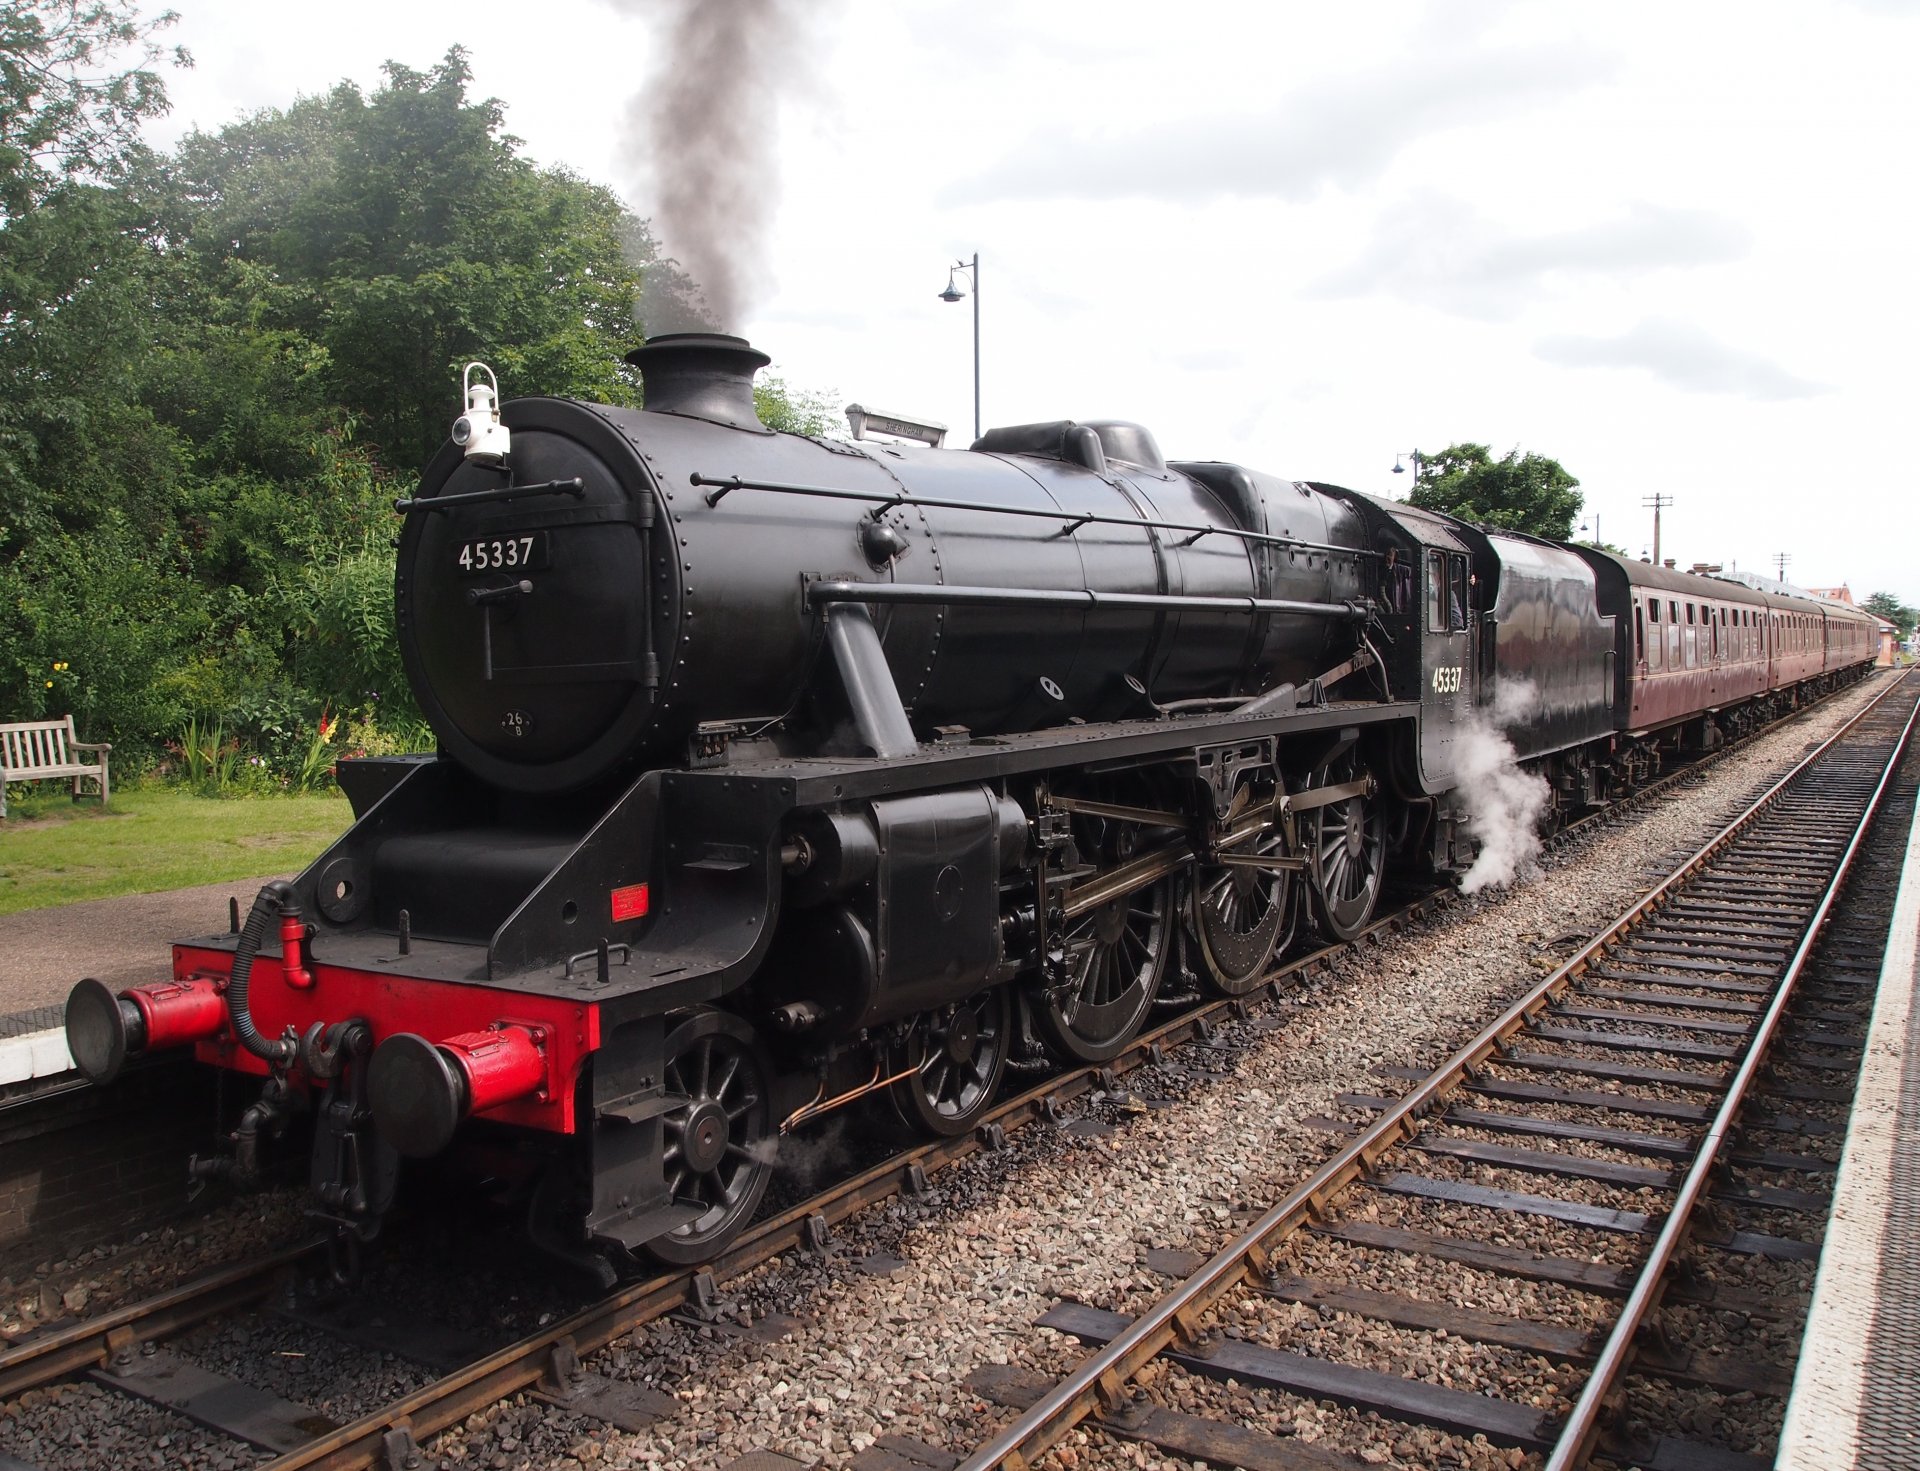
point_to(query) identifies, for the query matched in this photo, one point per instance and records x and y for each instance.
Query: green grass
(55, 851)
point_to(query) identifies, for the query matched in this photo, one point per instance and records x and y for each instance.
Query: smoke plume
(701, 151)
(1505, 802)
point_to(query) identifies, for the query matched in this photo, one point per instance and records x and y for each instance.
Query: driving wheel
(1242, 917)
(1346, 850)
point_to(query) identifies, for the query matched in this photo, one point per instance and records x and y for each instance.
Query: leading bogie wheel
(958, 1054)
(1346, 845)
(719, 1143)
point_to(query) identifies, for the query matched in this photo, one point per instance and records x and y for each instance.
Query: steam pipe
(877, 712)
(266, 1117)
(821, 591)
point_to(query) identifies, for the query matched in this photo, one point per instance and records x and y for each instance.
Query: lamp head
(953, 291)
(1398, 468)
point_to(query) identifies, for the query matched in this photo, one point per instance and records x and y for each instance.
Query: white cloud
(1444, 253)
(1683, 356)
(1336, 131)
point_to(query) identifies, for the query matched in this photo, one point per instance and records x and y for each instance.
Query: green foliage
(795, 410)
(1886, 605)
(1529, 493)
(209, 757)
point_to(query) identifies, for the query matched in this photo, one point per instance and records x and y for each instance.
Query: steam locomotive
(777, 773)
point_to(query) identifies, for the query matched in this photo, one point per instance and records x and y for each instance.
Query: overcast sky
(1673, 245)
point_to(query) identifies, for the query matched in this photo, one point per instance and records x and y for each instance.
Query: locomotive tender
(778, 772)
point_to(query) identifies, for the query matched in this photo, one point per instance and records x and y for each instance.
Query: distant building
(1889, 642)
(1840, 594)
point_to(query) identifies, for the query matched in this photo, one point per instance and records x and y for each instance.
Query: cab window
(1436, 592)
(1457, 592)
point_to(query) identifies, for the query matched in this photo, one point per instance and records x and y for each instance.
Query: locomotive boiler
(632, 576)
(782, 775)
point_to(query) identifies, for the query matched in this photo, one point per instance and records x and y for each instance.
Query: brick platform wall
(82, 1164)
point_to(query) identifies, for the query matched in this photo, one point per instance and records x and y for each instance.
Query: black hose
(274, 899)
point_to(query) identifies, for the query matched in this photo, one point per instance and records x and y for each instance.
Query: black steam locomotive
(776, 773)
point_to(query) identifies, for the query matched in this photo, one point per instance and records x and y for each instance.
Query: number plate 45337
(524, 552)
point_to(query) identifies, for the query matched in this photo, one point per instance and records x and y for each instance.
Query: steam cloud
(1505, 801)
(701, 150)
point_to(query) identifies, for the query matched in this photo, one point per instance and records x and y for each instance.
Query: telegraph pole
(1780, 560)
(1657, 502)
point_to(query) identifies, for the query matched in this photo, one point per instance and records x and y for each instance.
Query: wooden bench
(36, 750)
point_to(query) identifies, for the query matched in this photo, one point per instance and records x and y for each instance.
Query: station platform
(33, 1045)
(1856, 1395)
(120, 942)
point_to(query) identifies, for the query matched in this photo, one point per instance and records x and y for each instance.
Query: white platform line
(1822, 1427)
(35, 1055)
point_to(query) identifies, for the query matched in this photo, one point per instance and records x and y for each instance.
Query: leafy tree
(1886, 605)
(70, 104)
(795, 410)
(402, 235)
(1529, 493)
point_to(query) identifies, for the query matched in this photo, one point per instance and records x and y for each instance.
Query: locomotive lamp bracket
(602, 956)
(574, 486)
(481, 596)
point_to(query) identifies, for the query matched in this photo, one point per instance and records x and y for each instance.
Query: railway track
(1602, 1111)
(117, 1348)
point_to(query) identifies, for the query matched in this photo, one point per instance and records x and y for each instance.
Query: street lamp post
(1596, 530)
(954, 293)
(1418, 461)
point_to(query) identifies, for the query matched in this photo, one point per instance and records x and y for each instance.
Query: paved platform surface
(1856, 1395)
(119, 941)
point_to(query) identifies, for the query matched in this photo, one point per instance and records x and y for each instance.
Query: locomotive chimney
(703, 375)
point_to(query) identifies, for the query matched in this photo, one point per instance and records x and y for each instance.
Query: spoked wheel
(1115, 957)
(1346, 847)
(718, 1152)
(958, 1054)
(1242, 916)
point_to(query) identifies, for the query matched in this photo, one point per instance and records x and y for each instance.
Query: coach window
(1436, 592)
(1639, 634)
